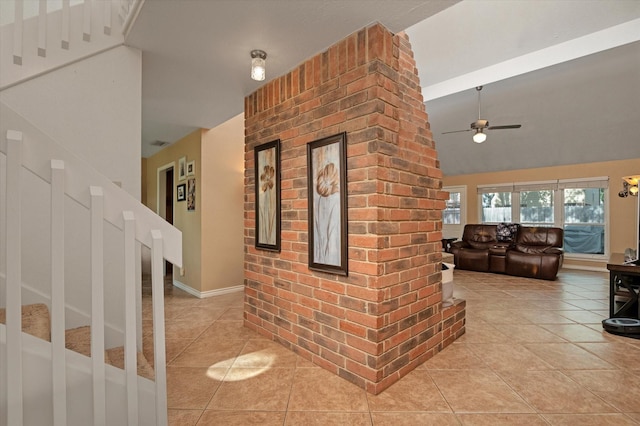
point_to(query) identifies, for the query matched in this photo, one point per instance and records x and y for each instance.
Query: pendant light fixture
(258, 71)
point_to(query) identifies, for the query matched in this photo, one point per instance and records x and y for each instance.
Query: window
(536, 207)
(584, 216)
(454, 215)
(576, 205)
(495, 203)
(451, 213)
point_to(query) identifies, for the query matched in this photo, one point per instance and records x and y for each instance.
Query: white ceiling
(568, 71)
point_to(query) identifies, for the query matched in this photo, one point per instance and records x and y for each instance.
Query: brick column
(386, 317)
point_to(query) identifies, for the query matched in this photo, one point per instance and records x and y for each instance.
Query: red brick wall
(386, 317)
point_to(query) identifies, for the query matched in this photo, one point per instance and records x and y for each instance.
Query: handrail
(133, 8)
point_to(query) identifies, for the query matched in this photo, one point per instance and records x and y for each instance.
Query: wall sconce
(629, 186)
(258, 71)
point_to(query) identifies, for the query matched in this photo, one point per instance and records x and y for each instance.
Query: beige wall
(212, 235)
(223, 205)
(622, 211)
(189, 222)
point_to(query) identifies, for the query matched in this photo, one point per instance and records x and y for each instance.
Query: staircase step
(79, 340)
(35, 320)
(115, 357)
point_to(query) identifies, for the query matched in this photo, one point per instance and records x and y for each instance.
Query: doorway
(165, 202)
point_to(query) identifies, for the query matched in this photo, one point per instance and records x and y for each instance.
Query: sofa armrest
(554, 250)
(460, 244)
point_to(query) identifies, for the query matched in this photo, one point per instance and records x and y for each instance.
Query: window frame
(557, 187)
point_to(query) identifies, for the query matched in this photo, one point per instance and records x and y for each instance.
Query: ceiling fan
(480, 125)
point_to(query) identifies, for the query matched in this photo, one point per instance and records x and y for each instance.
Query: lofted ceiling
(568, 71)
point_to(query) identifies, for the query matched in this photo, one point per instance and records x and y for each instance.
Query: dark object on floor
(628, 327)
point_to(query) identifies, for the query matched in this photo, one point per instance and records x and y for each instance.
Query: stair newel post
(97, 304)
(157, 289)
(13, 283)
(18, 23)
(59, 366)
(130, 343)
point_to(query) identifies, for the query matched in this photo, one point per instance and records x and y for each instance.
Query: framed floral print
(327, 211)
(191, 194)
(267, 204)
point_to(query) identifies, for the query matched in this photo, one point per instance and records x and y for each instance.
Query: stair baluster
(130, 344)
(97, 304)
(157, 289)
(59, 366)
(13, 283)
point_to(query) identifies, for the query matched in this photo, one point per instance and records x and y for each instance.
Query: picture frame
(182, 168)
(191, 168)
(191, 194)
(327, 204)
(267, 196)
(181, 192)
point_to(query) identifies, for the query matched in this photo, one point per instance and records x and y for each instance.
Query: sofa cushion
(531, 249)
(540, 236)
(481, 245)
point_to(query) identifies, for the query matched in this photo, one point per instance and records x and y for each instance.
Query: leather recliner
(536, 253)
(533, 252)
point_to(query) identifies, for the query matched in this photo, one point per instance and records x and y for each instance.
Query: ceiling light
(479, 137)
(258, 72)
(633, 190)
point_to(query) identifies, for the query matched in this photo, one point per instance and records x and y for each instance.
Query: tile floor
(534, 354)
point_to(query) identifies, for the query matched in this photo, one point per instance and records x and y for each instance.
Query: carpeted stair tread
(35, 320)
(115, 357)
(79, 340)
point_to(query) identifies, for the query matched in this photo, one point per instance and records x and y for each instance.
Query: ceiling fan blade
(456, 131)
(507, 126)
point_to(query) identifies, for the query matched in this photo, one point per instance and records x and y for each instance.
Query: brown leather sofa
(528, 251)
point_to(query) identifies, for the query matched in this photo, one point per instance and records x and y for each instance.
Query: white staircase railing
(38, 36)
(27, 150)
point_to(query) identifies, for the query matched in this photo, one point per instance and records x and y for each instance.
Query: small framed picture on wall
(182, 192)
(182, 168)
(191, 194)
(191, 168)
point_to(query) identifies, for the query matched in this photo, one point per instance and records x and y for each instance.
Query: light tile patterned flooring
(534, 354)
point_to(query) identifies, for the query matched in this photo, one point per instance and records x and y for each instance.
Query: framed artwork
(191, 168)
(182, 192)
(191, 194)
(327, 180)
(267, 205)
(182, 168)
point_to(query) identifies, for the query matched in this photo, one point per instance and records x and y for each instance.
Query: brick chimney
(385, 318)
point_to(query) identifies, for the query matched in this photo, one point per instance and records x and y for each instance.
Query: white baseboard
(210, 293)
(585, 268)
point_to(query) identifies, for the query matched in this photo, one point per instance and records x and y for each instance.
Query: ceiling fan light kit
(479, 137)
(480, 124)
